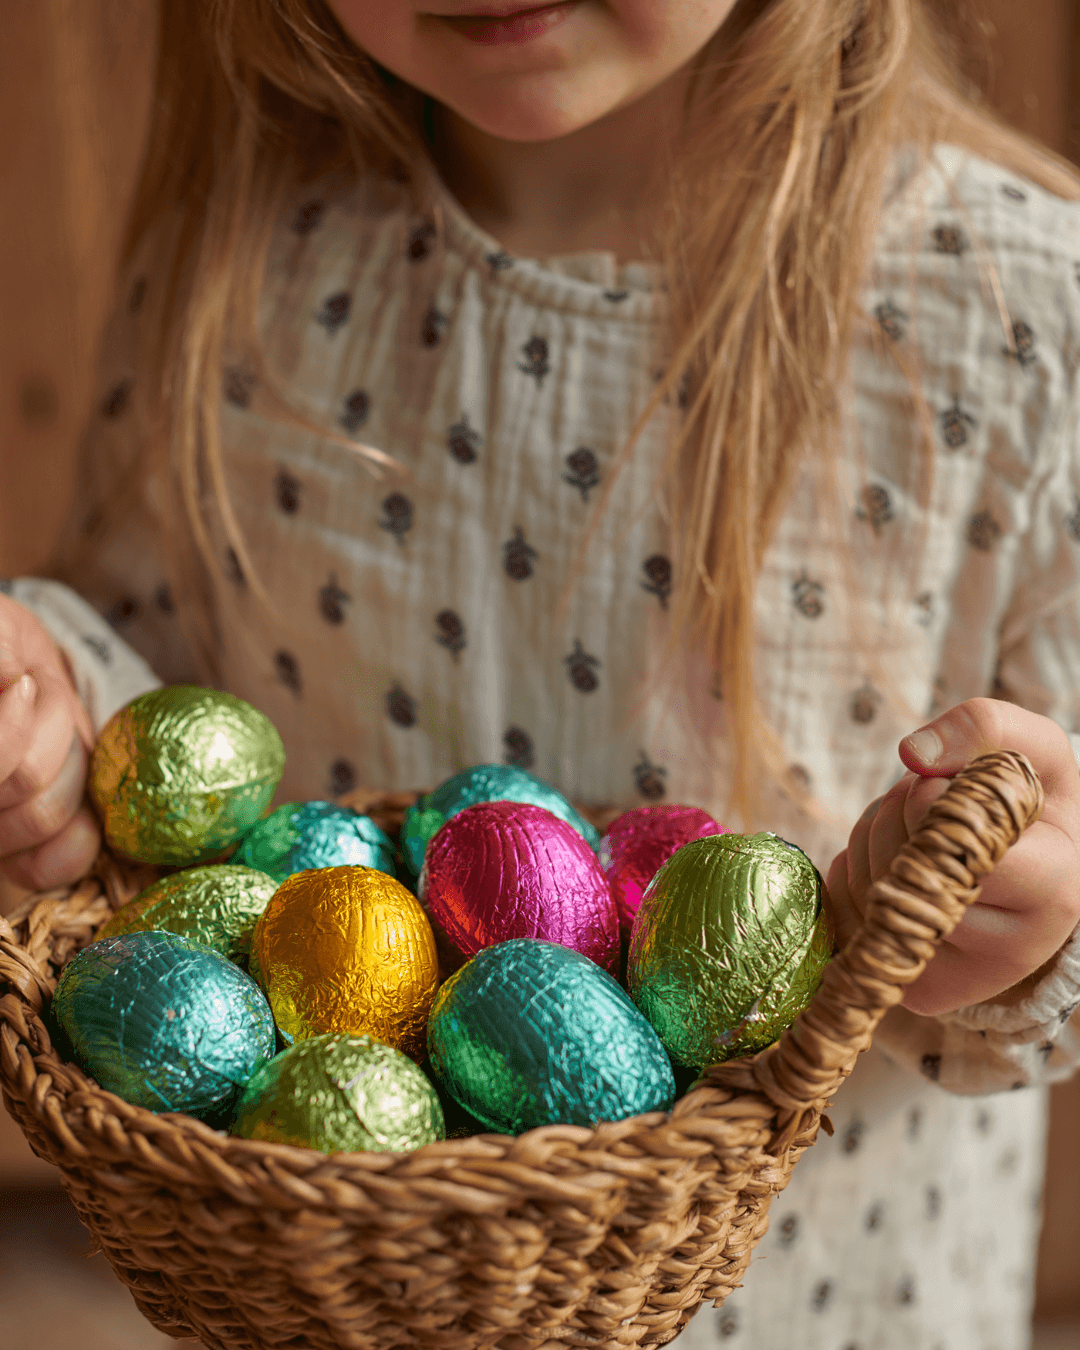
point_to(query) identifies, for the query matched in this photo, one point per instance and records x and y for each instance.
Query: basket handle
(931, 882)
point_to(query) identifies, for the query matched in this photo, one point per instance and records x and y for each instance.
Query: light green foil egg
(729, 946)
(217, 906)
(180, 773)
(341, 1094)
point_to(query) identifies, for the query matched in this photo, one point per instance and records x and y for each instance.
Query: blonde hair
(795, 111)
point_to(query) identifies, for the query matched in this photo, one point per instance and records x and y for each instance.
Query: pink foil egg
(639, 842)
(504, 870)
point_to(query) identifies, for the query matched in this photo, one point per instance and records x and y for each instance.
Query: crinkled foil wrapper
(530, 1033)
(304, 835)
(180, 773)
(164, 1022)
(341, 1094)
(503, 870)
(347, 949)
(217, 906)
(484, 783)
(638, 843)
(729, 946)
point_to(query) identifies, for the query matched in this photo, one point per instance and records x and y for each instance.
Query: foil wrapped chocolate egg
(216, 906)
(638, 843)
(347, 949)
(530, 1033)
(729, 945)
(503, 870)
(164, 1022)
(180, 773)
(483, 783)
(341, 1094)
(304, 835)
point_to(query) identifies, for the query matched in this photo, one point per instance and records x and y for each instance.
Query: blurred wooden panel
(1030, 51)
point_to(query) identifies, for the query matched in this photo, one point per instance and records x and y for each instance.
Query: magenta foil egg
(639, 842)
(503, 870)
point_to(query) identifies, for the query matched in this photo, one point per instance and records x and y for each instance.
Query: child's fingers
(60, 860)
(32, 822)
(18, 716)
(49, 745)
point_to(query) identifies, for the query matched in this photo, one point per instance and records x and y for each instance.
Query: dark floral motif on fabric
(431, 329)
(875, 506)
(518, 748)
(163, 599)
(727, 1322)
(905, 1291)
(498, 262)
(582, 668)
(354, 410)
(518, 557)
(7, 586)
(956, 425)
(420, 242)
(136, 295)
(875, 1218)
(400, 707)
(950, 239)
(287, 670)
(1022, 350)
(101, 650)
(800, 778)
(788, 1231)
(1066, 1013)
(853, 1136)
(864, 704)
(983, 531)
(614, 297)
(287, 489)
(342, 777)
(335, 311)
(450, 632)
(933, 1202)
(308, 217)
(397, 516)
(123, 612)
(233, 569)
(808, 595)
(658, 574)
(238, 384)
(822, 1296)
(914, 1125)
(1072, 520)
(1014, 194)
(930, 1067)
(649, 778)
(115, 403)
(1076, 272)
(463, 441)
(536, 362)
(924, 603)
(893, 321)
(582, 471)
(332, 601)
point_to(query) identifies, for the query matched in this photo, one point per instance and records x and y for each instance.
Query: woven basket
(562, 1237)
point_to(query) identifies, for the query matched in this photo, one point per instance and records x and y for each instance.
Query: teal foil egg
(729, 945)
(164, 1022)
(341, 1094)
(303, 835)
(529, 1033)
(484, 783)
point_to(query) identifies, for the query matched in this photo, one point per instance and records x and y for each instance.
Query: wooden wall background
(75, 90)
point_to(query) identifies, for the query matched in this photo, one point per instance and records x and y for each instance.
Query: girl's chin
(529, 117)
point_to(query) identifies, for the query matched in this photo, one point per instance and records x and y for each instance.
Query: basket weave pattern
(563, 1237)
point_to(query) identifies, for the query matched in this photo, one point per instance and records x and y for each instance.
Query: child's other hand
(47, 835)
(1029, 905)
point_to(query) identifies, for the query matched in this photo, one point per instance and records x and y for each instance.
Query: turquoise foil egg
(529, 1033)
(483, 783)
(305, 835)
(164, 1022)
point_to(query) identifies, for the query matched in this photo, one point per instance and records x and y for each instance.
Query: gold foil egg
(347, 949)
(180, 773)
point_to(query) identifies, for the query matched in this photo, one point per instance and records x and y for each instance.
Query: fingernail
(926, 743)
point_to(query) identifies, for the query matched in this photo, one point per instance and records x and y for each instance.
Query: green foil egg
(217, 906)
(181, 773)
(530, 1033)
(484, 783)
(303, 835)
(164, 1022)
(729, 945)
(341, 1094)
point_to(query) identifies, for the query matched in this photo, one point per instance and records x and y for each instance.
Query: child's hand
(47, 836)
(1029, 905)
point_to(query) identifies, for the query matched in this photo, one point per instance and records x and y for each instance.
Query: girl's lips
(492, 30)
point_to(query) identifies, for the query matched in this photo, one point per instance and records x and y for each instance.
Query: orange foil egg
(347, 949)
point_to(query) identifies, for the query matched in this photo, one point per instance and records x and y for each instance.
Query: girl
(678, 400)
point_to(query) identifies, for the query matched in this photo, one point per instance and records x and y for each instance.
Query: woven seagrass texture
(562, 1237)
